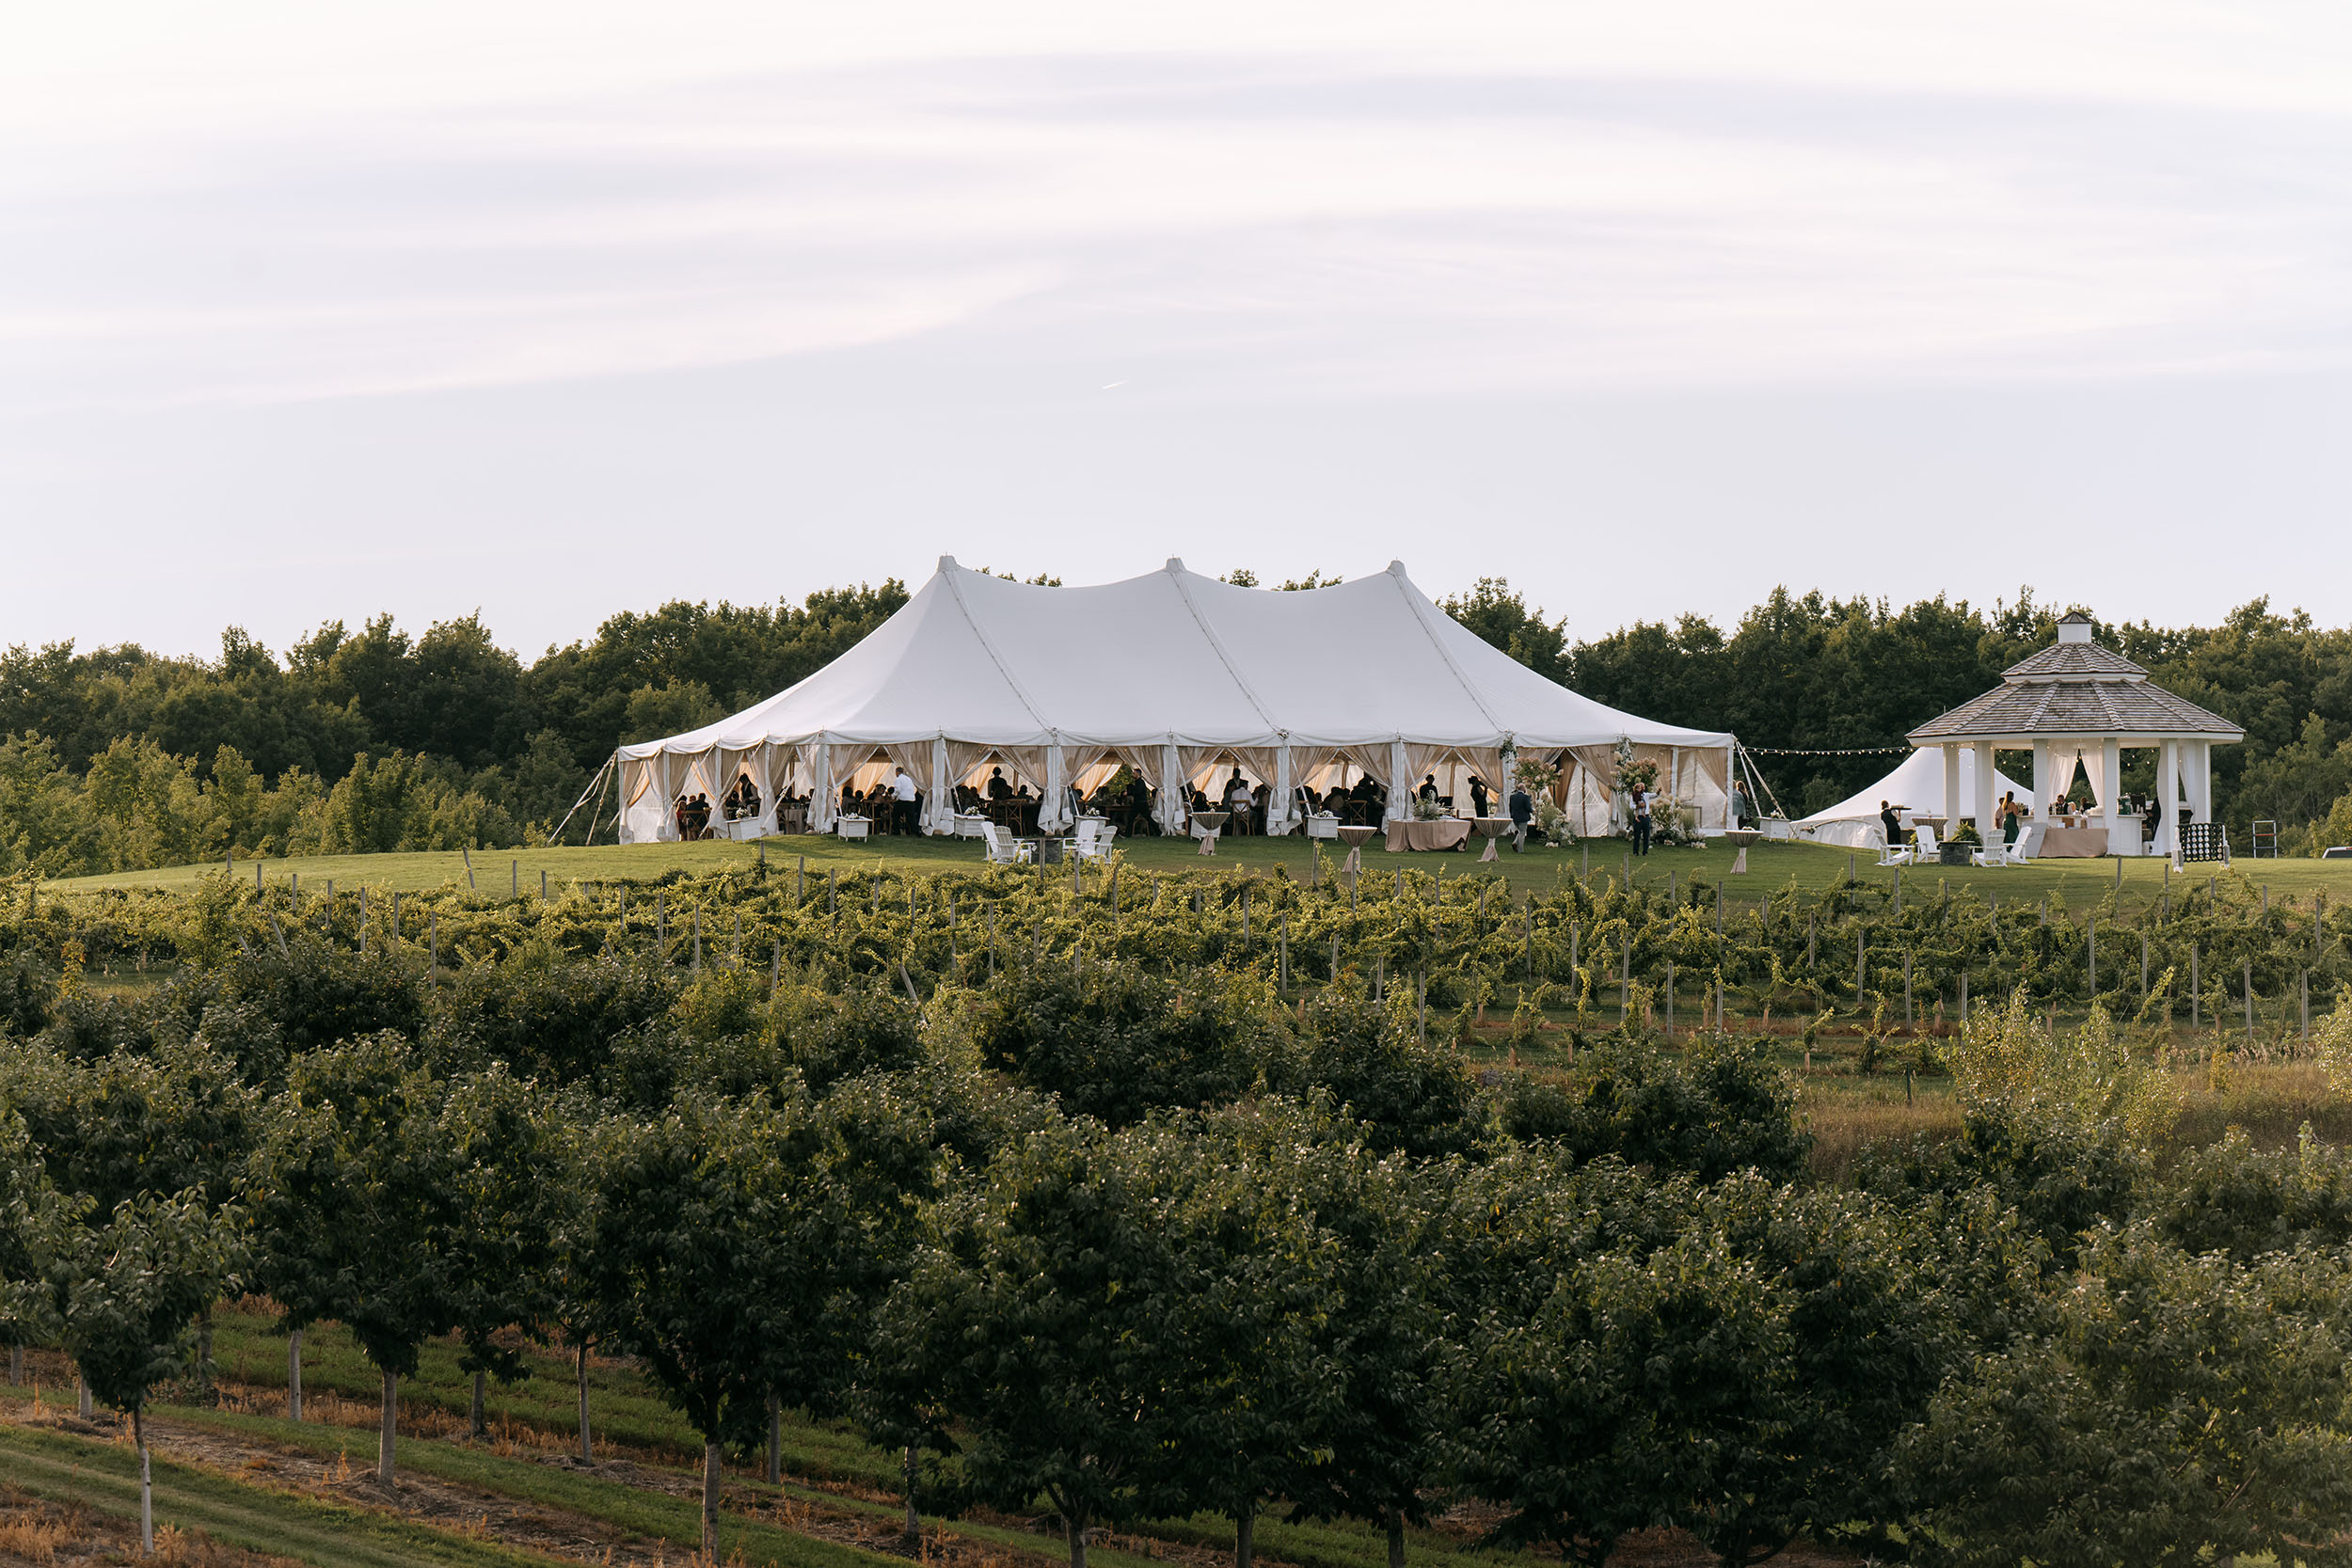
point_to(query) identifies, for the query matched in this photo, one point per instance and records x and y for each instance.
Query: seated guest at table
(1478, 796)
(997, 788)
(1429, 787)
(1199, 800)
(1892, 824)
(1238, 802)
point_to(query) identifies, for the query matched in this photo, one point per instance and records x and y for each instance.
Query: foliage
(2010, 1066)
(2184, 1409)
(1719, 1107)
(2232, 1198)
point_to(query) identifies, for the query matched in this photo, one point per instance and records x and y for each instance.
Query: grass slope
(105, 1476)
(499, 874)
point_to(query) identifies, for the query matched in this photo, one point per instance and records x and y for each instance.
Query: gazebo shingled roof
(2076, 688)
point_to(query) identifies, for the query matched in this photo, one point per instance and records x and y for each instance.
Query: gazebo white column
(2198, 765)
(1984, 792)
(2111, 799)
(1952, 802)
(2168, 797)
(2042, 780)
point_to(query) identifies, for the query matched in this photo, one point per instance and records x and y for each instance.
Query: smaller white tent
(1917, 785)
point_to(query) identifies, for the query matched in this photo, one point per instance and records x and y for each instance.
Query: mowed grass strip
(640, 1511)
(250, 1350)
(1772, 866)
(104, 1476)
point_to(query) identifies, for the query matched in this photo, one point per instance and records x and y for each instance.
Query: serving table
(1410, 833)
(2072, 843)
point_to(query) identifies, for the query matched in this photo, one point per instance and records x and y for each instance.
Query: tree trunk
(147, 1487)
(1244, 1537)
(914, 1520)
(16, 1366)
(711, 1502)
(81, 1394)
(775, 1441)
(1396, 1538)
(386, 1434)
(474, 1423)
(294, 1375)
(204, 1355)
(580, 1359)
(1076, 1526)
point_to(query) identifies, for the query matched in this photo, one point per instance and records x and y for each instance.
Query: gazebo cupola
(2078, 702)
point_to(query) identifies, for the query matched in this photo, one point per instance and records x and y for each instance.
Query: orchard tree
(1041, 1313)
(363, 1190)
(33, 1216)
(127, 1293)
(2182, 1410)
(177, 1120)
(734, 1247)
(1278, 1281)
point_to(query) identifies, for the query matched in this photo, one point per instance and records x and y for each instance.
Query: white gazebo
(2079, 703)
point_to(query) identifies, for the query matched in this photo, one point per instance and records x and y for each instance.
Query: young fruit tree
(388, 1199)
(734, 1251)
(1041, 1313)
(127, 1293)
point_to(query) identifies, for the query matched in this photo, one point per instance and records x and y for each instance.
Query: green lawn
(248, 1350)
(1771, 866)
(105, 1476)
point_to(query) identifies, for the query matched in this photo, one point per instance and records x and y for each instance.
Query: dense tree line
(354, 742)
(117, 758)
(1117, 1242)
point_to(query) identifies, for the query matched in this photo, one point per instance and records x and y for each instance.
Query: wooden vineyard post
(1907, 1019)
(698, 940)
(515, 880)
(1964, 999)
(363, 917)
(432, 956)
(1669, 1001)
(2196, 991)
(661, 925)
(2090, 939)
(2249, 1000)
(1625, 980)
(799, 880)
(1283, 963)
(1858, 972)
(775, 967)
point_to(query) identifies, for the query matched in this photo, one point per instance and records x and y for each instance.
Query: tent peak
(1175, 563)
(947, 564)
(1396, 568)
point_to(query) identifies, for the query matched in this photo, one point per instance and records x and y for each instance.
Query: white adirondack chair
(1093, 838)
(1003, 848)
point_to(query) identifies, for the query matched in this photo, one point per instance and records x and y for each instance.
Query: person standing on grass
(1522, 816)
(902, 786)
(1640, 820)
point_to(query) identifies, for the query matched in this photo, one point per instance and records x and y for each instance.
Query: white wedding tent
(1173, 675)
(1917, 784)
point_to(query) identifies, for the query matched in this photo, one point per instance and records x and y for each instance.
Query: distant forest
(118, 758)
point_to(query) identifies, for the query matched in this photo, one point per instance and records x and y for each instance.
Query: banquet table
(2073, 843)
(1445, 833)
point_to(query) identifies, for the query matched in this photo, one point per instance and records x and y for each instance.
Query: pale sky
(553, 310)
